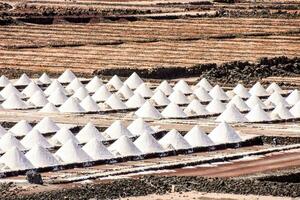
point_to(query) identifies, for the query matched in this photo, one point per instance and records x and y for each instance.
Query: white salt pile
(135, 101)
(23, 80)
(144, 91)
(173, 140)
(49, 108)
(254, 100)
(273, 87)
(62, 136)
(197, 138)
(148, 144)
(71, 106)
(183, 87)
(10, 90)
(139, 126)
(38, 99)
(8, 140)
(239, 103)
(81, 93)
(74, 85)
(117, 129)
(96, 150)
(125, 147)
(88, 132)
(294, 97)
(101, 94)
(295, 110)
(115, 82)
(4, 81)
(257, 114)
(277, 99)
(196, 108)
(94, 84)
(241, 91)
(46, 125)
(89, 105)
(66, 77)
(125, 92)
(202, 95)
(15, 160)
(165, 88)
(34, 137)
(178, 97)
(148, 111)
(215, 106)
(134, 81)
(44, 79)
(54, 86)
(31, 89)
(41, 157)
(14, 102)
(58, 97)
(218, 93)
(115, 103)
(205, 84)
(231, 114)
(258, 90)
(21, 128)
(173, 111)
(282, 112)
(223, 134)
(160, 98)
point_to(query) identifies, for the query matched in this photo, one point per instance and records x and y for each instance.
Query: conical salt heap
(117, 129)
(178, 97)
(34, 137)
(125, 147)
(136, 101)
(183, 87)
(41, 157)
(218, 93)
(202, 95)
(205, 84)
(1, 99)
(197, 138)
(115, 103)
(10, 90)
(273, 87)
(281, 111)
(139, 126)
(173, 140)
(254, 100)
(31, 89)
(88, 132)
(215, 106)
(160, 98)
(294, 97)
(23, 80)
(46, 125)
(148, 144)
(21, 128)
(63, 135)
(125, 92)
(81, 93)
(223, 134)
(165, 88)
(66, 77)
(38, 99)
(143, 90)
(239, 103)
(89, 105)
(295, 110)
(49, 108)
(241, 91)
(71, 106)
(15, 160)
(58, 97)
(8, 140)
(277, 99)
(134, 81)
(115, 82)
(14, 102)
(74, 85)
(196, 108)
(257, 114)
(148, 111)
(71, 152)
(3, 131)
(173, 111)
(258, 90)
(231, 114)
(53, 87)
(44, 79)
(102, 94)
(96, 150)
(4, 81)
(94, 84)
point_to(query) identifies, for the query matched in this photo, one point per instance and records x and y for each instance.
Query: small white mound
(45, 79)
(41, 157)
(21, 128)
(88, 132)
(8, 140)
(173, 111)
(282, 112)
(239, 103)
(173, 140)
(71, 106)
(102, 94)
(295, 110)
(197, 138)
(241, 91)
(215, 106)
(74, 85)
(160, 98)
(117, 129)
(294, 97)
(89, 105)
(2, 131)
(4, 81)
(49, 108)
(178, 97)
(125, 147)
(148, 144)
(66, 77)
(14, 102)
(115, 103)
(202, 95)
(81, 93)
(148, 111)
(15, 160)
(38, 99)
(96, 150)
(183, 87)
(135, 101)
(277, 99)
(139, 126)
(54, 86)
(143, 90)
(205, 84)
(34, 137)
(58, 97)
(125, 92)
(23, 80)
(223, 134)
(71, 152)
(254, 100)
(165, 88)
(258, 90)
(94, 84)
(46, 125)
(10, 90)
(31, 89)
(63, 135)
(231, 114)
(218, 93)
(196, 108)
(115, 82)
(134, 81)
(273, 87)
(257, 114)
